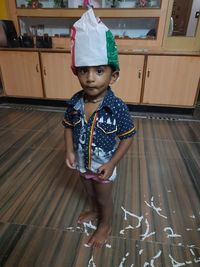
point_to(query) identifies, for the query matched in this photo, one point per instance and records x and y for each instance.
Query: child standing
(94, 118)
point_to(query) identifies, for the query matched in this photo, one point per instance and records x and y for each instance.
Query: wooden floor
(156, 196)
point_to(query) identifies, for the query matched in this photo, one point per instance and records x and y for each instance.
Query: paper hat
(92, 43)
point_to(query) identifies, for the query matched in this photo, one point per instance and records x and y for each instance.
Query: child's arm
(69, 149)
(106, 169)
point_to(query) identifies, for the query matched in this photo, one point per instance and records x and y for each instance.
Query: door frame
(180, 43)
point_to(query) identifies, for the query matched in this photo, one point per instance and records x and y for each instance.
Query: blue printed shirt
(95, 140)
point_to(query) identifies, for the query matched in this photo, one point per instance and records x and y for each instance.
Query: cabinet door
(128, 87)
(171, 80)
(21, 73)
(59, 80)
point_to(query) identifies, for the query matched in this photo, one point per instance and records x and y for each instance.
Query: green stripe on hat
(112, 54)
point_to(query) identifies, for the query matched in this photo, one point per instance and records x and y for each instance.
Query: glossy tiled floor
(156, 196)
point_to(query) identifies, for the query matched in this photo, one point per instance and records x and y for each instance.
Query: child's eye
(82, 70)
(100, 71)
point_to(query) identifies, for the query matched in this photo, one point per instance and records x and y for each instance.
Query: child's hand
(106, 170)
(70, 160)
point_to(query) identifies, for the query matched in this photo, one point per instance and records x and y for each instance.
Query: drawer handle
(45, 72)
(37, 68)
(139, 74)
(148, 73)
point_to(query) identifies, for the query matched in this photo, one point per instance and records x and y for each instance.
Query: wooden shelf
(157, 13)
(73, 12)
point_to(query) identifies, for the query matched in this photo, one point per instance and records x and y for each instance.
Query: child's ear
(114, 77)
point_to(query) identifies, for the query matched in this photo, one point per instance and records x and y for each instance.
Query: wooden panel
(3, 10)
(171, 80)
(128, 87)
(59, 80)
(21, 73)
(77, 12)
(12, 14)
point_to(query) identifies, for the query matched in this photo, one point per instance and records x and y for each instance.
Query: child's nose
(91, 76)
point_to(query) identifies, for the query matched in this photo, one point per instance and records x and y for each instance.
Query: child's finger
(101, 170)
(70, 165)
(103, 173)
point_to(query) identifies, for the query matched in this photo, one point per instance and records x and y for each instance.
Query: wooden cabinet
(21, 74)
(59, 81)
(129, 85)
(171, 80)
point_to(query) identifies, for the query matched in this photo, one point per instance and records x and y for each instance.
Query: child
(93, 119)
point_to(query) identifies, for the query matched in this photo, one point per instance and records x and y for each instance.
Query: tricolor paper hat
(92, 43)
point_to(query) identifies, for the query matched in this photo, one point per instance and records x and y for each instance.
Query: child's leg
(105, 207)
(92, 214)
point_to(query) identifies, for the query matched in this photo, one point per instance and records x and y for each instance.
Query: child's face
(95, 80)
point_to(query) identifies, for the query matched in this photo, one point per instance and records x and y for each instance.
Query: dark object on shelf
(151, 33)
(8, 34)
(59, 3)
(26, 41)
(43, 41)
(47, 41)
(39, 42)
(114, 3)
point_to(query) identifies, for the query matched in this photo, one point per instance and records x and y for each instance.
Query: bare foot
(100, 236)
(87, 216)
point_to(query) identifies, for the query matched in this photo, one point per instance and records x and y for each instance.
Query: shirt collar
(108, 100)
(77, 100)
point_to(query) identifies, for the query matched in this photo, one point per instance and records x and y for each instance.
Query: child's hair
(113, 68)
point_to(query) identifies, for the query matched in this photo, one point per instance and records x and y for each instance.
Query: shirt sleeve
(67, 120)
(125, 125)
